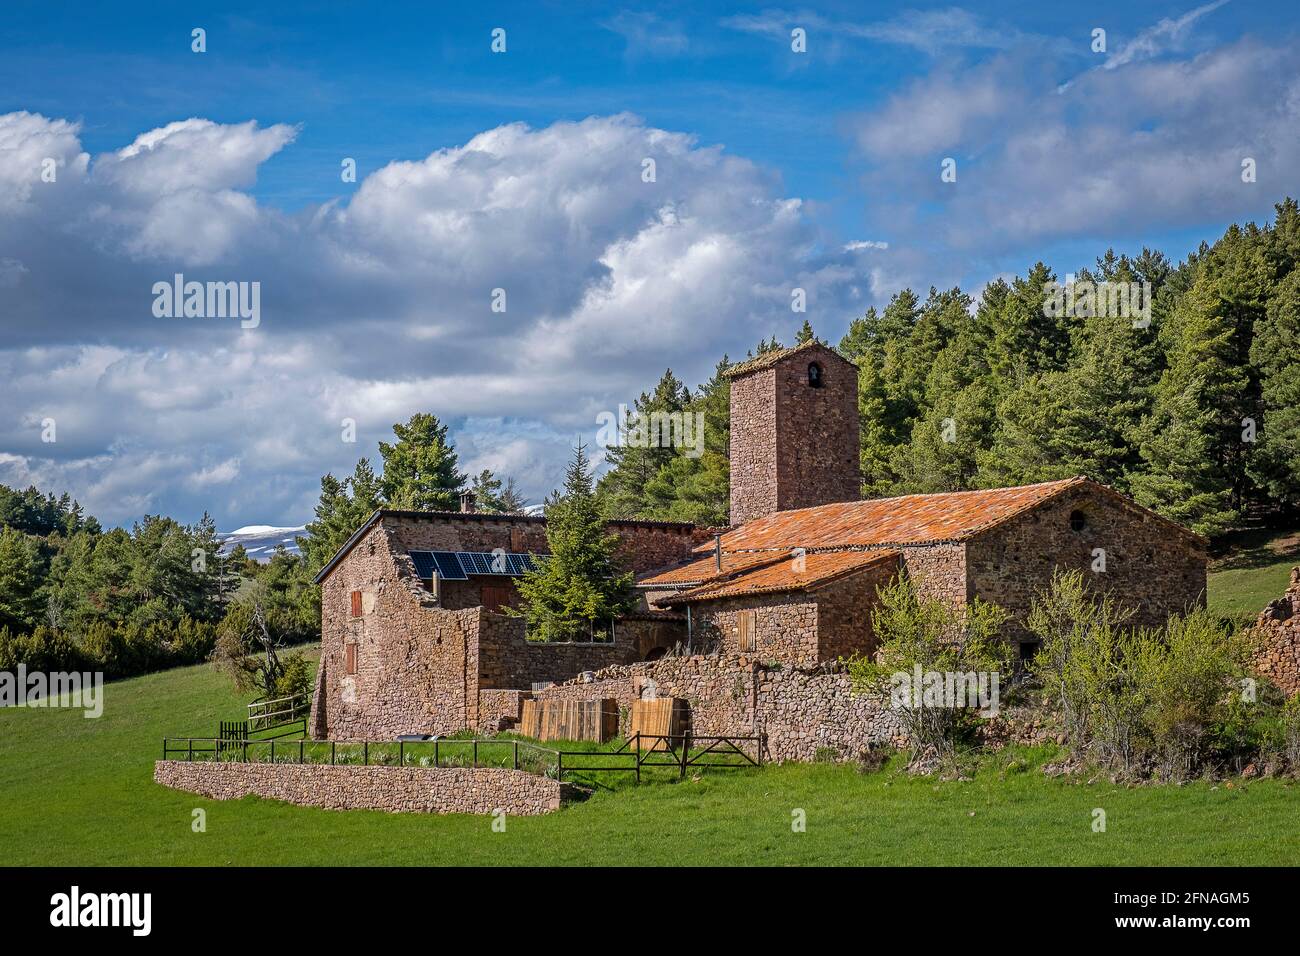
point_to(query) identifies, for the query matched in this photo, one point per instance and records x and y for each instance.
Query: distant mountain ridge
(261, 540)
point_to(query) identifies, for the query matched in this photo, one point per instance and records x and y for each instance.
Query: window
(1078, 521)
(745, 621)
(814, 375)
(350, 658)
(356, 603)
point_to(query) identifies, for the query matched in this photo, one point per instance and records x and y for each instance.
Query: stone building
(754, 615)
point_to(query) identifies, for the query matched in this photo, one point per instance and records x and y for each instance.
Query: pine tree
(644, 447)
(496, 496)
(1274, 351)
(580, 588)
(420, 467)
(20, 575)
(343, 507)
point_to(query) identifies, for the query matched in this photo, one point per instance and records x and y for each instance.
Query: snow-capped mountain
(260, 540)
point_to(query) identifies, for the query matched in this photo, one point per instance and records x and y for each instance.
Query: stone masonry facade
(1277, 639)
(419, 667)
(793, 445)
(395, 789)
(801, 712)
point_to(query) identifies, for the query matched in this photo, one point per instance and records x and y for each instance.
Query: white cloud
(377, 307)
(1154, 40)
(1117, 154)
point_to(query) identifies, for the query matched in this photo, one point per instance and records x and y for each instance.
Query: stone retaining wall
(396, 789)
(1277, 632)
(800, 711)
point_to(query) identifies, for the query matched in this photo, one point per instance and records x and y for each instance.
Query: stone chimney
(794, 432)
(467, 502)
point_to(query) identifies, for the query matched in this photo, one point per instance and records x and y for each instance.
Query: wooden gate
(570, 720)
(658, 718)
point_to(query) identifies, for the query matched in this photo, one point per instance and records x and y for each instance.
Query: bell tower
(794, 431)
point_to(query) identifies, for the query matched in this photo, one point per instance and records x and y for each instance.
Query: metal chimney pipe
(717, 551)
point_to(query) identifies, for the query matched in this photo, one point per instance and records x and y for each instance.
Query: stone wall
(802, 628)
(500, 710)
(785, 626)
(396, 789)
(416, 664)
(801, 711)
(1277, 633)
(791, 445)
(844, 611)
(817, 432)
(752, 449)
(1149, 566)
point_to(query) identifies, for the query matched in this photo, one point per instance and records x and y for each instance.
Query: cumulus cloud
(375, 306)
(1122, 153)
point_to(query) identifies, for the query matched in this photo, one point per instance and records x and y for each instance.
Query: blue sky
(776, 169)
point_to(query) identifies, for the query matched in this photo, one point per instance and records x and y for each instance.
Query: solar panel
(505, 563)
(443, 562)
(474, 562)
(423, 561)
(449, 565)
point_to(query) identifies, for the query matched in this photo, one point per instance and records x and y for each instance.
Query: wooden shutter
(745, 621)
(356, 603)
(496, 596)
(350, 655)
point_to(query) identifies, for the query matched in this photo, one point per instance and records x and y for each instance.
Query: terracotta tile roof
(705, 569)
(783, 574)
(768, 359)
(910, 519)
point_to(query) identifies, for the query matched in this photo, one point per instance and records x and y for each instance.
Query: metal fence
(679, 751)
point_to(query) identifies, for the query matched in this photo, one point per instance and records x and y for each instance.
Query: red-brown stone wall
(1149, 567)
(817, 433)
(753, 446)
(416, 664)
(844, 612)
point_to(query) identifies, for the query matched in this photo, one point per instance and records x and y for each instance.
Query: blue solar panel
(423, 561)
(505, 563)
(443, 562)
(449, 566)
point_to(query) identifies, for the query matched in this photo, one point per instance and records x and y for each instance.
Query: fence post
(436, 741)
(516, 754)
(401, 753)
(559, 765)
(475, 758)
(190, 740)
(300, 743)
(365, 753)
(245, 751)
(333, 751)
(272, 751)
(686, 748)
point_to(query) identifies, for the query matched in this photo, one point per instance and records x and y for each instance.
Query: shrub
(914, 631)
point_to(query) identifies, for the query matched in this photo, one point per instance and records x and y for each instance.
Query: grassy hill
(1254, 570)
(79, 792)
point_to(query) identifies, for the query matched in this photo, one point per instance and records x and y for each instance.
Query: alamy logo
(1114, 300)
(977, 690)
(56, 689)
(656, 430)
(75, 908)
(209, 300)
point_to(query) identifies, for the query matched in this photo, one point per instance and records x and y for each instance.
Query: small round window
(1078, 521)
(814, 375)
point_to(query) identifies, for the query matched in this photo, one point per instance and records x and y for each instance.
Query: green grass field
(1255, 571)
(79, 792)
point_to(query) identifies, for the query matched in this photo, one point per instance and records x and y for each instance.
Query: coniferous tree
(343, 507)
(420, 467)
(581, 587)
